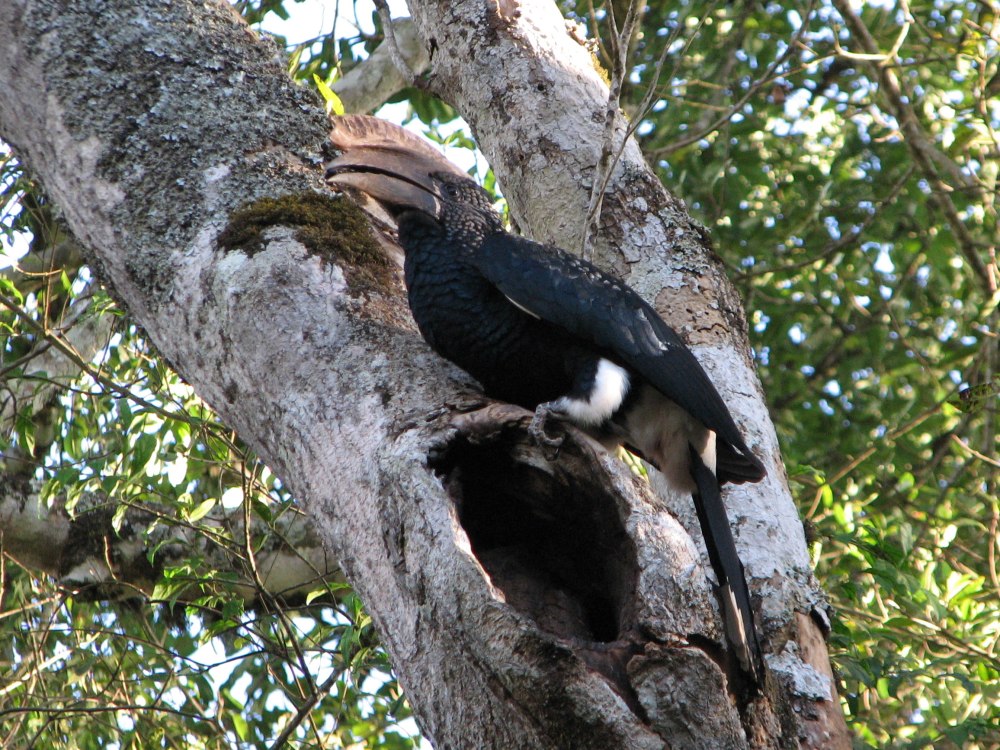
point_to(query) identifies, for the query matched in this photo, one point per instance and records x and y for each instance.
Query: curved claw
(537, 431)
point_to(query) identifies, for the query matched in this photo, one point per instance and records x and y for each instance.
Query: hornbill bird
(551, 332)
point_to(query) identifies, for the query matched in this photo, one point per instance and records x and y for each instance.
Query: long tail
(733, 591)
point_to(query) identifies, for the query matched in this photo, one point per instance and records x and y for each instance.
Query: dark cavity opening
(547, 533)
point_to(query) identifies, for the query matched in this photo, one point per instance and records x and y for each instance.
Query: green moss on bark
(333, 228)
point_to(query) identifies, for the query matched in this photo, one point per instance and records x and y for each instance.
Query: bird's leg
(537, 428)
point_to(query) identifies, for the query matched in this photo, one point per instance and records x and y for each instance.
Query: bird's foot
(536, 429)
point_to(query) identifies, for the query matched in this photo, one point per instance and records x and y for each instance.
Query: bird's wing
(589, 304)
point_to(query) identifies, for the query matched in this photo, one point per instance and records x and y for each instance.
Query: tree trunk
(524, 602)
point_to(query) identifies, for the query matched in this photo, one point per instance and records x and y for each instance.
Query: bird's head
(398, 171)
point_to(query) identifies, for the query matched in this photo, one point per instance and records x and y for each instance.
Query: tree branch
(924, 153)
(390, 42)
(373, 81)
(620, 41)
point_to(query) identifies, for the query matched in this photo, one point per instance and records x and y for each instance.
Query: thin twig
(969, 449)
(923, 151)
(605, 164)
(75, 357)
(390, 40)
(646, 104)
(258, 580)
(305, 709)
(889, 436)
(848, 239)
(768, 76)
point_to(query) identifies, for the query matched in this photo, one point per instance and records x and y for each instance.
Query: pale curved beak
(388, 164)
(395, 190)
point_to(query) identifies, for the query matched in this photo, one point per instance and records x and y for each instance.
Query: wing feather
(578, 297)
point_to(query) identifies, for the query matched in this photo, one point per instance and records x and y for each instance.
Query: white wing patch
(611, 383)
(522, 308)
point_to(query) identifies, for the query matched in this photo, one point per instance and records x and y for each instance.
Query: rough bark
(497, 62)
(524, 602)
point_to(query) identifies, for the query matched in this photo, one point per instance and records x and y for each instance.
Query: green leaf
(145, 446)
(333, 103)
(118, 517)
(201, 510)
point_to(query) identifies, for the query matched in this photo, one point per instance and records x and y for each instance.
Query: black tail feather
(737, 466)
(733, 592)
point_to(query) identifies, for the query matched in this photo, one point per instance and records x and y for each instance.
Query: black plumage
(549, 331)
